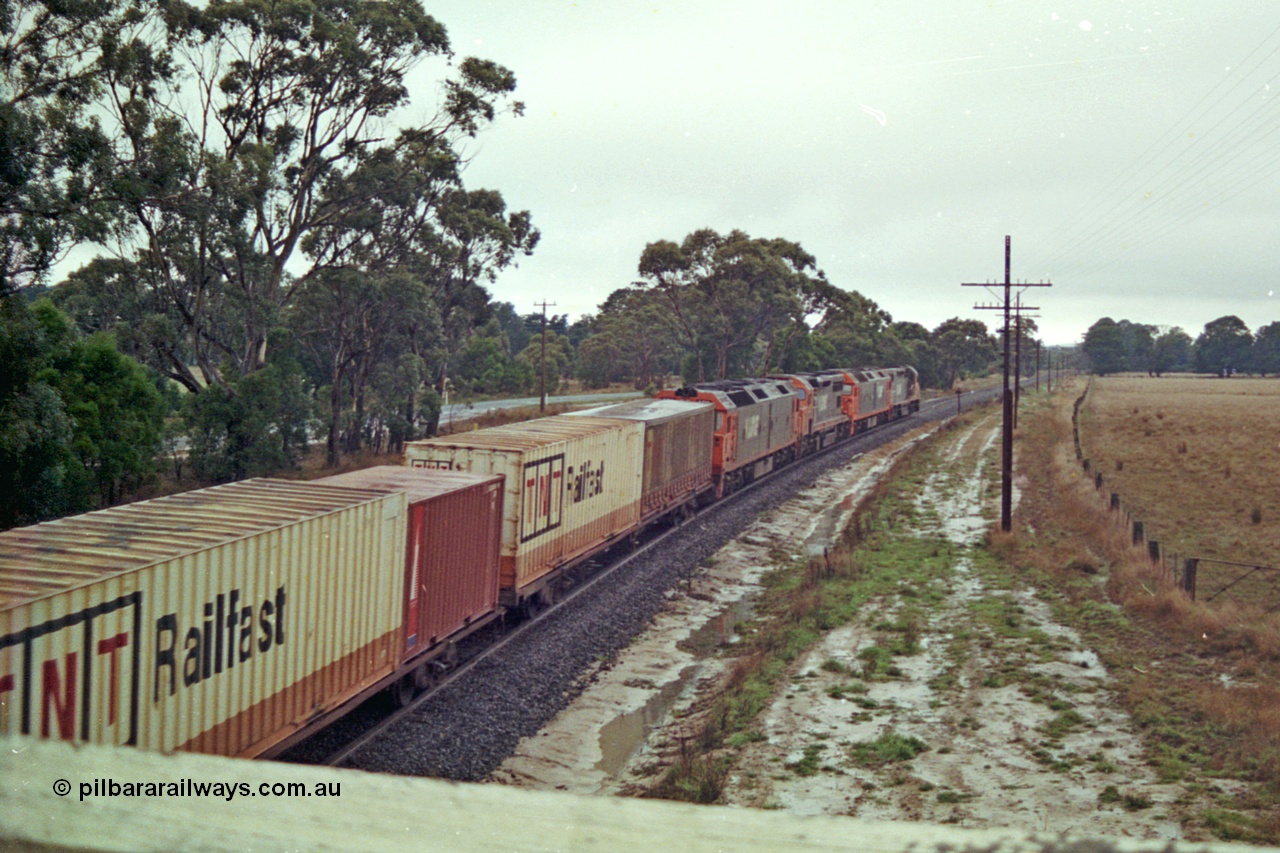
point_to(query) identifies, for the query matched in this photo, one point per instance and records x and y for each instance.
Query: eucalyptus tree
(855, 331)
(422, 227)
(905, 342)
(730, 294)
(1024, 344)
(633, 337)
(475, 238)
(79, 422)
(243, 165)
(1104, 347)
(59, 166)
(962, 346)
(1172, 351)
(347, 323)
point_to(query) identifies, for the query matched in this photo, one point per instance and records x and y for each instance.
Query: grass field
(1196, 460)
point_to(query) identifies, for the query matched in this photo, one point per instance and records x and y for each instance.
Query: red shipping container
(451, 554)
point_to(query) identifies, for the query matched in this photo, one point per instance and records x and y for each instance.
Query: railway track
(507, 684)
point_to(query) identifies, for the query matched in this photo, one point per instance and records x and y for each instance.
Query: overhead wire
(1108, 222)
(1178, 198)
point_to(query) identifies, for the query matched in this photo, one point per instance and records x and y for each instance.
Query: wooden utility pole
(1017, 358)
(1006, 444)
(1037, 365)
(542, 386)
(1018, 308)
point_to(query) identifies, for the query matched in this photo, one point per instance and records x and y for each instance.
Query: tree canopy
(739, 303)
(80, 423)
(1224, 347)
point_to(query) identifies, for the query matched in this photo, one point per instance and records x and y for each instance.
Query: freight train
(241, 618)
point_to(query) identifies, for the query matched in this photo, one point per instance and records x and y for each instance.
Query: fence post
(1097, 481)
(1153, 550)
(1189, 576)
(1115, 501)
(1085, 463)
(1138, 535)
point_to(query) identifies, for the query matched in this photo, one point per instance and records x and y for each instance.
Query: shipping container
(451, 553)
(572, 487)
(677, 449)
(222, 620)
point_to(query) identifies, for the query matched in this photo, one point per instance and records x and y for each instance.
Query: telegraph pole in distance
(542, 399)
(1006, 444)
(1037, 365)
(1018, 308)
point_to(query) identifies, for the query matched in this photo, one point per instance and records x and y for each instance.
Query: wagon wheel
(425, 676)
(403, 691)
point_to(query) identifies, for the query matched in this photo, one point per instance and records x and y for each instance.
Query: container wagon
(453, 531)
(678, 437)
(756, 427)
(222, 620)
(573, 487)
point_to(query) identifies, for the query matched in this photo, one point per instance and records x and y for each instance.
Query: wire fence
(1202, 578)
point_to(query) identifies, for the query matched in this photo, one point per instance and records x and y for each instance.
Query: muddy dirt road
(954, 699)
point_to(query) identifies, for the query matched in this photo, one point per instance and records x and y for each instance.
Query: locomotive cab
(755, 427)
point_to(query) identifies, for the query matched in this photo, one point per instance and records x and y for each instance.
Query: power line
(1131, 207)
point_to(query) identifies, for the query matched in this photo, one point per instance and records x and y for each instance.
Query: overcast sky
(1129, 148)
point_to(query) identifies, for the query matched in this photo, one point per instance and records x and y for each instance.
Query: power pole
(1006, 444)
(1037, 365)
(542, 386)
(1017, 349)
(1017, 358)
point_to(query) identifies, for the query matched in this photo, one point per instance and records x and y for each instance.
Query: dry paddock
(54, 797)
(1196, 460)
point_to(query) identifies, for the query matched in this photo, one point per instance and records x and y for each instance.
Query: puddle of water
(622, 736)
(720, 629)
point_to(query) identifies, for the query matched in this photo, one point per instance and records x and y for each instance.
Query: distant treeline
(1225, 347)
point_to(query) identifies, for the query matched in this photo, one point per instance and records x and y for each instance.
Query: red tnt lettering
(110, 646)
(531, 504)
(64, 707)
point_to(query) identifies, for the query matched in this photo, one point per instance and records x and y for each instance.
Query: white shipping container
(573, 484)
(221, 620)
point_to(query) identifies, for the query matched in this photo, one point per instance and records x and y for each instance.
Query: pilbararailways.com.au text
(192, 788)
